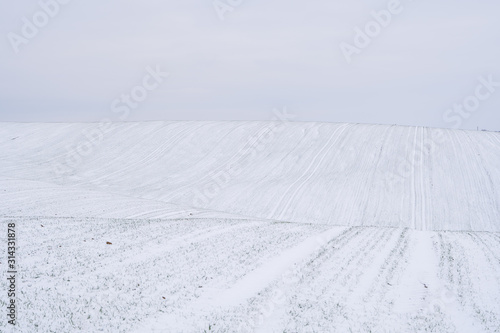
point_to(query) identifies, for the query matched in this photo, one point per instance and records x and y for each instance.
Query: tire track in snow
(387, 271)
(126, 239)
(457, 272)
(196, 181)
(486, 245)
(349, 181)
(213, 302)
(459, 183)
(492, 260)
(470, 175)
(448, 210)
(171, 141)
(261, 278)
(414, 197)
(378, 258)
(421, 297)
(347, 273)
(364, 257)
(418, 203)
(127, 167)
(305, 177)
(482, 182)
(365, 188)
(493, 196)
(417, 280)
(342, 285)
(334, 259)
(423, 192)
(407, 186)
(257, 314)
(496, 236)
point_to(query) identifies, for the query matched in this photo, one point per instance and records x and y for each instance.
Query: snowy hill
(251, 227)
(337, 174)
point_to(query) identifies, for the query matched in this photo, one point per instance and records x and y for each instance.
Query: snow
(214, 226)
(339, 174)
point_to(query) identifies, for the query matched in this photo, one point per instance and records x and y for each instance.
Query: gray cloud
(263, 55)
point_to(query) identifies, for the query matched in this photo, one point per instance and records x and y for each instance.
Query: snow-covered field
(251, 227)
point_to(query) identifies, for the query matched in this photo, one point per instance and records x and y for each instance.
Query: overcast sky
(250, 56)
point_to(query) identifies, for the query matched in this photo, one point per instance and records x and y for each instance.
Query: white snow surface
(251, 227)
